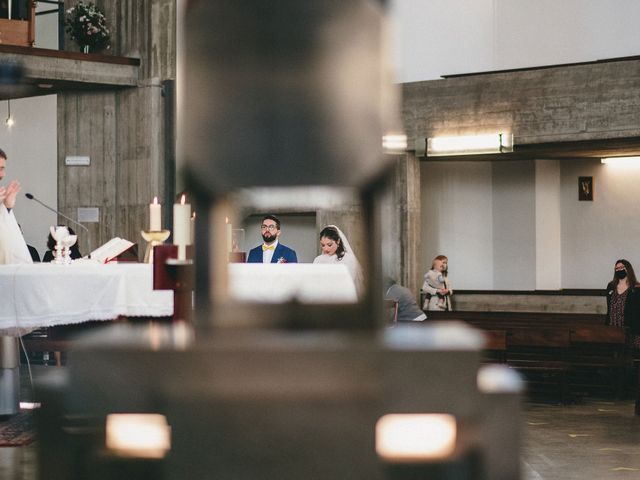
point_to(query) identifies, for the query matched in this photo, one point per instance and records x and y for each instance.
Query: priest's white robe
(13, 248)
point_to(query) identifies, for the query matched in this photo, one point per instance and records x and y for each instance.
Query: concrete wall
(124, 130)
(584, 102)
(530, 303)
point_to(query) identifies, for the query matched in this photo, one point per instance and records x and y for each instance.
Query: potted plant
(87, 25)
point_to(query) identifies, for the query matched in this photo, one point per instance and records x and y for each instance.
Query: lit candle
(181, 227)
(193, 227)
(229, 235)
(155, 215)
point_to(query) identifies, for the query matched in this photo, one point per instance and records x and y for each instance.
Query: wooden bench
(495, 348)
(577, 352)
(541, 356)
(599, 358)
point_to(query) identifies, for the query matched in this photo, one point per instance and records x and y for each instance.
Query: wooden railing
(20, 32)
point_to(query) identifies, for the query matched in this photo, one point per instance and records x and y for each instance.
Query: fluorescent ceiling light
(621, 160)
(411, 438)
(394, 143)
(470, 144)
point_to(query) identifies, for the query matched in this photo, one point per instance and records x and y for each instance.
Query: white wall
(31, 145)
(514, 235)
(548, 225)
(596, 234)
(46, 27)
(457, 220)
(440, 37)
(520, 226)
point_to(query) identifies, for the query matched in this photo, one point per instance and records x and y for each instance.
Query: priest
(13, 248)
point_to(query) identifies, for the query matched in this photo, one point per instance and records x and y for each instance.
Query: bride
(336, 249)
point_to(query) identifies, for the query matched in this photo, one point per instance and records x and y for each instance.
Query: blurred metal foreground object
(283, 94)
(281, 405)
(280, 94)
(9, 375)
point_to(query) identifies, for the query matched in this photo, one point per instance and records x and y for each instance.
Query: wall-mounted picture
(585, 189)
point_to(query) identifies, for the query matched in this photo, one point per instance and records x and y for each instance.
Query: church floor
(595, 439)
(592, 439)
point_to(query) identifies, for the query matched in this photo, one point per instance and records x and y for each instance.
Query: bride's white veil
(351, 260)
(343, 239)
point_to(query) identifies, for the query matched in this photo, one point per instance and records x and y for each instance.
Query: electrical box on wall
(89, 215)
(83, 160)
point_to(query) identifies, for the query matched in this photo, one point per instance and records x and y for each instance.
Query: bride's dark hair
(332, 233)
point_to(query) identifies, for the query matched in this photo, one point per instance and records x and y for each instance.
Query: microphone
(31, 197)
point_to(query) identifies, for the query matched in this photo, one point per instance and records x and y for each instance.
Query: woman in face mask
(623, 302)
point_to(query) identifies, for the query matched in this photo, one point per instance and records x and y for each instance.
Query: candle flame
(226, 219)
(182, 200)
(193, 216)
(155, 200)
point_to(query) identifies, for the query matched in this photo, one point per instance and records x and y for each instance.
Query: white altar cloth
(44, 294)
(304, 282)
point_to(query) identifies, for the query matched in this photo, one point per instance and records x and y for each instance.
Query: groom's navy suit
(281, 254)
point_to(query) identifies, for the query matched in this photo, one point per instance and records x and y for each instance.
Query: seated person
(408, 310)
(35, 256)
(51, 245)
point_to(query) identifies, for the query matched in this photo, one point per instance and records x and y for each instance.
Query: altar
(48, 295)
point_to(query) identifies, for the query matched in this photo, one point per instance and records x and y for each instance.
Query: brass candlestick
(153, 237)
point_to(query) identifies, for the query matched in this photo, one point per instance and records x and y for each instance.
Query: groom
(271, 251)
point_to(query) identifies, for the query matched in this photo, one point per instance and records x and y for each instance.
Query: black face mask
(621, 274)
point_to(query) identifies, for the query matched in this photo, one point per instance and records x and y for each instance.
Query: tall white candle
(193, 227)
(155, 216)
(182, 227)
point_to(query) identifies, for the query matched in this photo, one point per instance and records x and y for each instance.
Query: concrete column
(400, 244)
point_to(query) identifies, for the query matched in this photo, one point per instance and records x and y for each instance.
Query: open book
(113, 249)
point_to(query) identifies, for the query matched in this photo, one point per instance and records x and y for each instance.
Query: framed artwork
(585, 189)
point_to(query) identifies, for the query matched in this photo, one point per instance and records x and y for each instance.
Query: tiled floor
(591, 440)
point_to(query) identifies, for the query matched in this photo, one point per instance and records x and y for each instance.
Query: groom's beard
(269, 237)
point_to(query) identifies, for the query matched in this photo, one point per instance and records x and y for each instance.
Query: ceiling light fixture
(9, 121)
(470, 144)
(621, 160)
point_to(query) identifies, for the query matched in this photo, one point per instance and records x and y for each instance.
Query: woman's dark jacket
(631, 307)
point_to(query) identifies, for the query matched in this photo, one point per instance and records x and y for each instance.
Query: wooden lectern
(171, 274)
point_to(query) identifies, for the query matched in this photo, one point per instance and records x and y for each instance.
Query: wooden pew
(593, 359)
(541, 356)
(495, 349)
(599, 358)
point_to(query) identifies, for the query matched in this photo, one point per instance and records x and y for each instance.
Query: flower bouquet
(88, 26)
